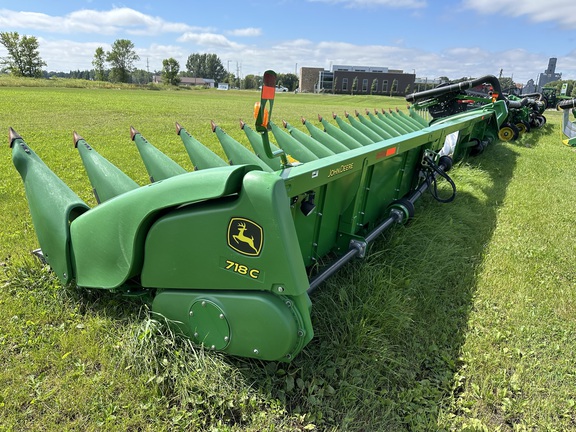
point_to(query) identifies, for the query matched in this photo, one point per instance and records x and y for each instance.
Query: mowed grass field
(464, 319)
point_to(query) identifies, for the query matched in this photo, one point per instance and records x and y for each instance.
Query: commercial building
(343, 79)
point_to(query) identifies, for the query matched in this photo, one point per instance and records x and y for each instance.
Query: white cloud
(66, 55)
(249, 32)
(91, 21)
(561, 11)
(208, 40)
(152, 56)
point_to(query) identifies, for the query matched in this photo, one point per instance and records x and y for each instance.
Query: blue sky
(453, 38)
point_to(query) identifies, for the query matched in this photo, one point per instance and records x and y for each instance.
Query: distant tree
(558, 86)
(121, 58)
(373, 86)
(289, 80)
(77, 74)
(206, 66)
(141, 76)
(506, 84)
(216, 70)
(23, 56)
(259, 80)
(394, 87)
(230, 79)
(170, 69)
(354, 85)
(334, 85)
(250, 82)
(99, 63)
(194, 65)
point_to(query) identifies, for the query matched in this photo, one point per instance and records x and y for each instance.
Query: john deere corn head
(568, 127)
(230, 253)
(524, 113)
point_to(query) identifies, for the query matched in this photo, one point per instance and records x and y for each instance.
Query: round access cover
(210, 325)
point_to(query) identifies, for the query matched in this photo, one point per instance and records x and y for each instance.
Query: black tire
(543, 120)
(508, 132)
(523, 126)
(538, 121)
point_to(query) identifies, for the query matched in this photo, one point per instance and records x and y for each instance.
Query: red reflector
(268, 92)
(385, 153)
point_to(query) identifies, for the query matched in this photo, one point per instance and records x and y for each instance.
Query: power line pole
(238, 74)
(148, 70)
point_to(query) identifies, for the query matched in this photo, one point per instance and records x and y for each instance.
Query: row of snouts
(357, 131)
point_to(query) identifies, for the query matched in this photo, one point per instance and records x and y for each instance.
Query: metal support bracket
(428, 154)
(360, 246)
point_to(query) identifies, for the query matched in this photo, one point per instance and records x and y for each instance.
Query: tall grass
(461, 320)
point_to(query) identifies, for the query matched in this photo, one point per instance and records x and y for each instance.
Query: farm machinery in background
(524, 113)
(230, 253)
(552, 98)
(568, 126)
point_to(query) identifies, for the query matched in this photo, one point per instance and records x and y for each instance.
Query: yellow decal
(341, 169)
(242, 269)
(245, 236)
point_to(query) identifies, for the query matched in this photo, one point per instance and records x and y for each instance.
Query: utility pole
(238, 74)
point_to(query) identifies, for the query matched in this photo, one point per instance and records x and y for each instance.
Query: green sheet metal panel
(107, 241)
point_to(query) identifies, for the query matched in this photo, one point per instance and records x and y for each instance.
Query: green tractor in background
(524, 113)
(552, 98)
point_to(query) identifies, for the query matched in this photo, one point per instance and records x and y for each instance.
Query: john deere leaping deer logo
(245, 236)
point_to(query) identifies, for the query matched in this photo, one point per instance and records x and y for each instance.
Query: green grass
(461, 320)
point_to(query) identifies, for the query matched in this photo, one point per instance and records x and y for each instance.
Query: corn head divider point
(230, 253)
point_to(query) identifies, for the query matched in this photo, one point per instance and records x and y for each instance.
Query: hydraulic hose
(458, 87)
(518, 104)
(533, 95)
(567, 104)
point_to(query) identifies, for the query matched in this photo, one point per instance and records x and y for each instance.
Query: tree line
(118, 65)
(570, 87)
